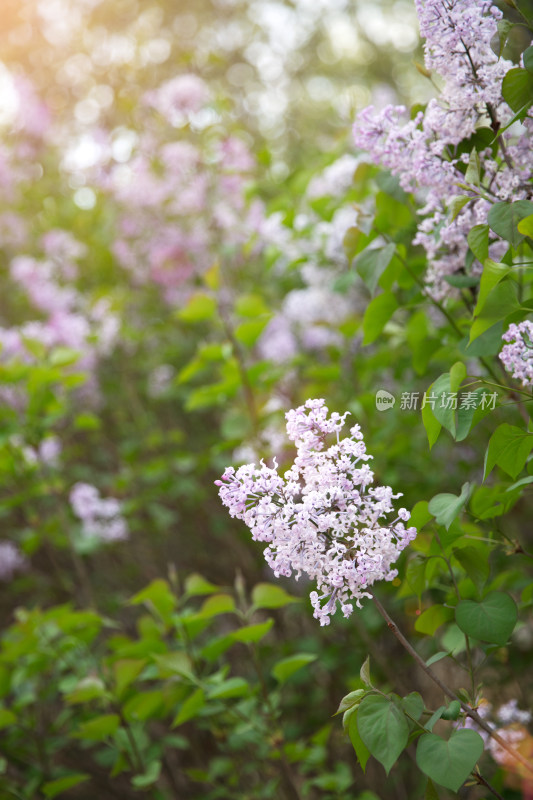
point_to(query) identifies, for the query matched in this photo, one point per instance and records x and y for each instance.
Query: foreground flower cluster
(324, 517)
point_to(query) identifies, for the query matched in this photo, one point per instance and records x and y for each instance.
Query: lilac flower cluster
(422, 151)
(517, 356)
(100, 517)
(11, 561)
(324, 517)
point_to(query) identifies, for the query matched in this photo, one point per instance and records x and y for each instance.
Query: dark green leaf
(491, 620)
(383, 729)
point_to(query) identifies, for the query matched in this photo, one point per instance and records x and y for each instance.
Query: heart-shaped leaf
(383, 729)
(491, 620)
(449, 763)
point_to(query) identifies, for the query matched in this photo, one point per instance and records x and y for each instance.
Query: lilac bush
(424, 152)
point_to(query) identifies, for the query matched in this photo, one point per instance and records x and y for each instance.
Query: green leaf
(361, 750)
(54, 788)
(99, 728)
(196, 584)
(248, 333)
(503, 218)
(383, 729)
(453, 710)
(475, 563)
(251, 305)
(372, 263)
(149, 777)
(190, 708)
(446, 507)
(217, 604)
(351, 241)
(431, 424)
(525, 226)
(201, 307)
(350, 701)
(364, 672)
(432, 618)
(437, 657)
(86, 689)
(252, 633)
(63, 356)
(431, 793)
(283, 669)
(449, 763)
(517, 90)
(415, 574)
(472, 171)
(159, 597)
(413, 705)
(438, 396)
(232, 687)
(266, 595)
(457, 375)
(509, 448)
(491, 620)
(500, 302)
(492, 275)
(527, 56)
(7, 718)
(434, 718)
(458, 203)
(478, 241)
(126, 671)
(144, 705)
(420, 515)
(377, 314)
(174, 663)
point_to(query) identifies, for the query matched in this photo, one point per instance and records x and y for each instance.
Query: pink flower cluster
(324, 517)
(100, 517)
(517, 356)
(423, 151)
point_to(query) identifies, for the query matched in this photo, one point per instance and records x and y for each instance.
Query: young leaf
(432, 618)
(377, 314)
(252, 633)
(364, 672)
(491, 620)
(449, 763)
(372, 263)
(288, 666)
(266, 595)
(383, 729)
(509, 448)
(361, 750)
(190, 708)
(478, 241)
(446, 507)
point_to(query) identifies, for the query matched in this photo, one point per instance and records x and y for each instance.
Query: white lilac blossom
(11, 561)
(422, 151)
(324, 517)
(100, 517)
(517, 355)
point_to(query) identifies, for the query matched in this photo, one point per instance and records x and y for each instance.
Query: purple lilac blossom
(324, 517)
(11, 561)
(100, 517)
(517, 356)
(422, 151)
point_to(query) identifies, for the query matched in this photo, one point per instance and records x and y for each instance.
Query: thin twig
(469, 711)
